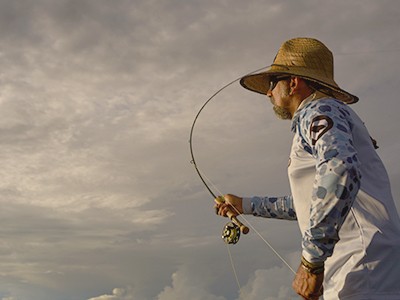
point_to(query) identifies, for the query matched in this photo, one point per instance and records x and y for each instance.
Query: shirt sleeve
(327, 130)
(270, 207)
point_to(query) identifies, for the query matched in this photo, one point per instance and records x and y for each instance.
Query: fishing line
(233, 266)
(252, 227)
(203, 178)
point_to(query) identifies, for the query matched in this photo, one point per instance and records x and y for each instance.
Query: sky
(99, 200)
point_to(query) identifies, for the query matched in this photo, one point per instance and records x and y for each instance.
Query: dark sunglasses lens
(272, 83)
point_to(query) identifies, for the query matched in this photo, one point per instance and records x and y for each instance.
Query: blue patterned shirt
(323, 131)
(347, 220)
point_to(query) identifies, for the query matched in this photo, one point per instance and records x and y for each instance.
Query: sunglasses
(273, 81)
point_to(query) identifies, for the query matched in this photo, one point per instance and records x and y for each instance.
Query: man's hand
(232, 203)
(308, 285)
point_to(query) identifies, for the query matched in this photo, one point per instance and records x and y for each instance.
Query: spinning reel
(231, 233)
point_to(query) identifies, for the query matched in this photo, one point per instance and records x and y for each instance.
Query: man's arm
(267, 207)
(270, 207)
(327, 130)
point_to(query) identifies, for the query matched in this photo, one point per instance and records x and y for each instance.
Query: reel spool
(231, 233)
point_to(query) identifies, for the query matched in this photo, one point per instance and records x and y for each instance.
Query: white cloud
(186, 286)
(118, 294)
(273, 283)
(270, 284)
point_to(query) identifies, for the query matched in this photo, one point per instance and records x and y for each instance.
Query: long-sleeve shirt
(342, 201)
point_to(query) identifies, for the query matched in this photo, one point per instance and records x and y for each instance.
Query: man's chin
(282, 113)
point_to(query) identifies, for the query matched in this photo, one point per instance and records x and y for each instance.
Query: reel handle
(243, 228)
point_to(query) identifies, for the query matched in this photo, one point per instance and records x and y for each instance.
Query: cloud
(186, 286)
(269, 284)
(96, 103)
(118, 294)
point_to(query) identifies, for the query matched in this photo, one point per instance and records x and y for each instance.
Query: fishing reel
(231, 233)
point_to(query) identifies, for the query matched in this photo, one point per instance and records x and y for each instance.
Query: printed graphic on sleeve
(319, 126)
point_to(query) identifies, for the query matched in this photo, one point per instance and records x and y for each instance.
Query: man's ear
(294, 84)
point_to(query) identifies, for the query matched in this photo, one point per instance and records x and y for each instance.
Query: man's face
(280, 98)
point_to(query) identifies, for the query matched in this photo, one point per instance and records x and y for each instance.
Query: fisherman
(340, 190)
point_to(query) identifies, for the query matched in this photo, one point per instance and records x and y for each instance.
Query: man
(340, 191)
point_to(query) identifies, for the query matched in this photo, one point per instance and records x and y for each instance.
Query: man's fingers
(224, 210)
(221, 209)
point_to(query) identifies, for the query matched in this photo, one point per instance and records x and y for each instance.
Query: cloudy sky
(98, 198)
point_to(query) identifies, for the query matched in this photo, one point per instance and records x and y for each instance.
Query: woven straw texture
(304, 57)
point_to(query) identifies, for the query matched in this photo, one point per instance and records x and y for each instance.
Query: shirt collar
(314, 96)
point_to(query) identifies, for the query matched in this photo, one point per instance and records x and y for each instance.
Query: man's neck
(313, 96)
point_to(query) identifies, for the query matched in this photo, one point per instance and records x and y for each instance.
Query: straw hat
(306, 58)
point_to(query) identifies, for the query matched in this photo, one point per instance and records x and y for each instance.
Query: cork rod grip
(231, 215)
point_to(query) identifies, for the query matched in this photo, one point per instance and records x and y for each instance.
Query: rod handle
(231, 215)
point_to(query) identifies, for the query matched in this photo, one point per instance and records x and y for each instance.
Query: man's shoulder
(323, 113)
(325, 106)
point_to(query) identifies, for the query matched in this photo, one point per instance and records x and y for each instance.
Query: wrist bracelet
(313, 268)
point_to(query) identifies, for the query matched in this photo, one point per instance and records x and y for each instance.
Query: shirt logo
(319, 126)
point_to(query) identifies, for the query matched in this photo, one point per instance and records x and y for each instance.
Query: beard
(282, 113)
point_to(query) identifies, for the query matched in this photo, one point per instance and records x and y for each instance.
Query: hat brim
(259, 83)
